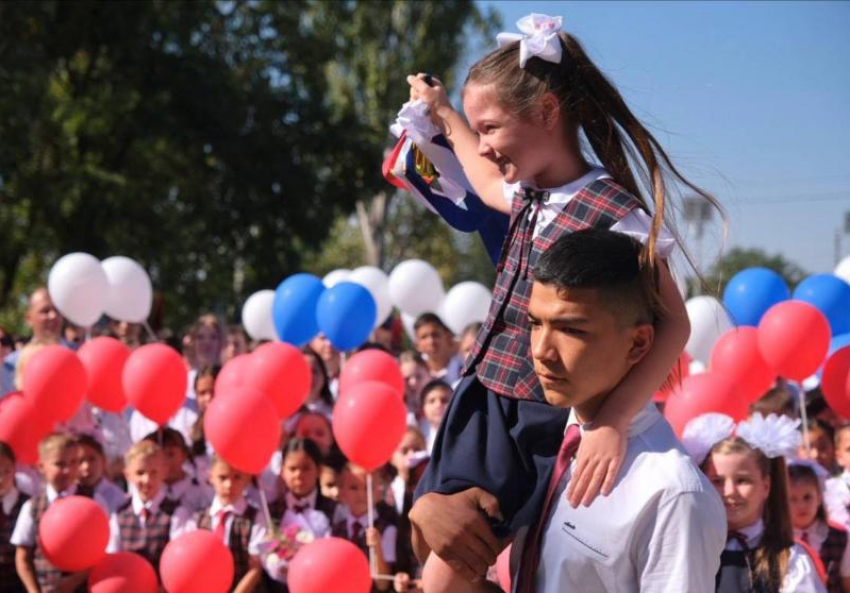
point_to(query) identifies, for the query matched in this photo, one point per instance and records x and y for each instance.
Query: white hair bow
(705, 431)
(775, 436)
(539, 37)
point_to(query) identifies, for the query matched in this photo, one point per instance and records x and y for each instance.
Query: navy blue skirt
(504, 446)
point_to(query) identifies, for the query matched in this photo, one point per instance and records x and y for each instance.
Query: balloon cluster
(83, 289)
(347, 305)
(762, 331)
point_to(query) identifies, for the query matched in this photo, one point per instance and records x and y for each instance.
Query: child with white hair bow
(746, 464)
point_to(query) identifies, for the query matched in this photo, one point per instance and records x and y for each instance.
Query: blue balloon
(837, 343)
(751, 292)
(294, 308)
(831, 295)
(346, 314)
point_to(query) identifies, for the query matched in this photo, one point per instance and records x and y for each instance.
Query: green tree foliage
(740, 259)
(211, 141)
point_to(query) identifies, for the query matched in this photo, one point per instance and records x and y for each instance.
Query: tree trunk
(372, 219)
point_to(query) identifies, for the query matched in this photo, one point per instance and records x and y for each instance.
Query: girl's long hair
(591, 103)
(774, 551)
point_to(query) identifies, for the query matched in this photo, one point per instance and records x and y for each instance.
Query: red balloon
(794, 338)
(278, 370)
(155, 381)
(20, 427)
(122, 572)
(680, 371)
(233, 373)
(103, 359)
(368, 423)
(329, 565)
(73, 533)
(736, 356)
(243, 428)
(55, 382)
(372, 365)
(703, 393)
(196, 561)
(835, 382)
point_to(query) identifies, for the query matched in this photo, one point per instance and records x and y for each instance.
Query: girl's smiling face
(741, 485)
(520, 147)
(804, 499)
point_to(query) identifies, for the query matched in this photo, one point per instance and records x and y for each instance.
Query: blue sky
(751, 100)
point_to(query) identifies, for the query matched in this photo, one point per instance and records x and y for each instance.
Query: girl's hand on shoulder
(598, 460)
(434, 95)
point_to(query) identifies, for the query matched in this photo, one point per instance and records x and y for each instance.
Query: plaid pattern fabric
(340, 529)
(9, 581)
(149, 540)
(831, 553)
(47, 575)
(240, 537)
(500, 356)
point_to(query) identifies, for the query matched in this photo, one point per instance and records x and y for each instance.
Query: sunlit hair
(774, 551)
(142, 450)
(803, 474)
(56, 442)
(591, 104)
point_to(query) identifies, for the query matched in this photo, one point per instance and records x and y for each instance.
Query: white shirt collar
(237, 508)
(9, 500)
(642, 421)
(564, 193)
(817, 530)
(753, 533)
(309, 500)
(151, 505)
(52, 494)
(350, 519)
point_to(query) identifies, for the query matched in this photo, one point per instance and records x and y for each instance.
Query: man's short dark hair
(430, 319)
(608, 262)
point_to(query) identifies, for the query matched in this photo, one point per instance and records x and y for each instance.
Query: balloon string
(804, 417)
(265, 504)
(151, 333)
(370, 517)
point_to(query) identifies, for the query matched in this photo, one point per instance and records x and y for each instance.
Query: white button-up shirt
(26, 530)
(186, 521)
(816, 534)
(137, 504)
(662, 528)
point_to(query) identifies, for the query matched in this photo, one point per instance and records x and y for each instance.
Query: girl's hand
(435, 96)
(373, 537)
(401, 583)
(598, 461)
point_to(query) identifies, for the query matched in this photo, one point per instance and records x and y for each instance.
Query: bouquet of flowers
(282, 545)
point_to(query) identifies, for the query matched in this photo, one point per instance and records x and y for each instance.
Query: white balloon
(376, 282)
(334, 277)
(257, 315)
(467, 302)
(709, 321)
(416, 287)
(130, 291)
(79, 288)
(407, 321)
(842, 270)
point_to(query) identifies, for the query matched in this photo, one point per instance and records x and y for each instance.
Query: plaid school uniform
(499, 401)
(831, 553)
(239, 539)
(500, 356)
(47, 575)
(148, 540)
(9, 581)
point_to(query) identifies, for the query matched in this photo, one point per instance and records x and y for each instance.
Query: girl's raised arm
(482, 173)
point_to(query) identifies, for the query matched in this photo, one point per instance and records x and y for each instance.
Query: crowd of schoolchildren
(156, 483)
(788, 514)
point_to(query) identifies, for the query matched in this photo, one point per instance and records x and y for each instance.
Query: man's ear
(642, 338)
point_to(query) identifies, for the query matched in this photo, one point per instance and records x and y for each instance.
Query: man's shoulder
(657, 455)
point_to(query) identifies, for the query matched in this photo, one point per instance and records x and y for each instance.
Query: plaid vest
(831, 553)
(240, 537)
(501, 355)
(47, 575)
(149, 540)
(9, 581)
